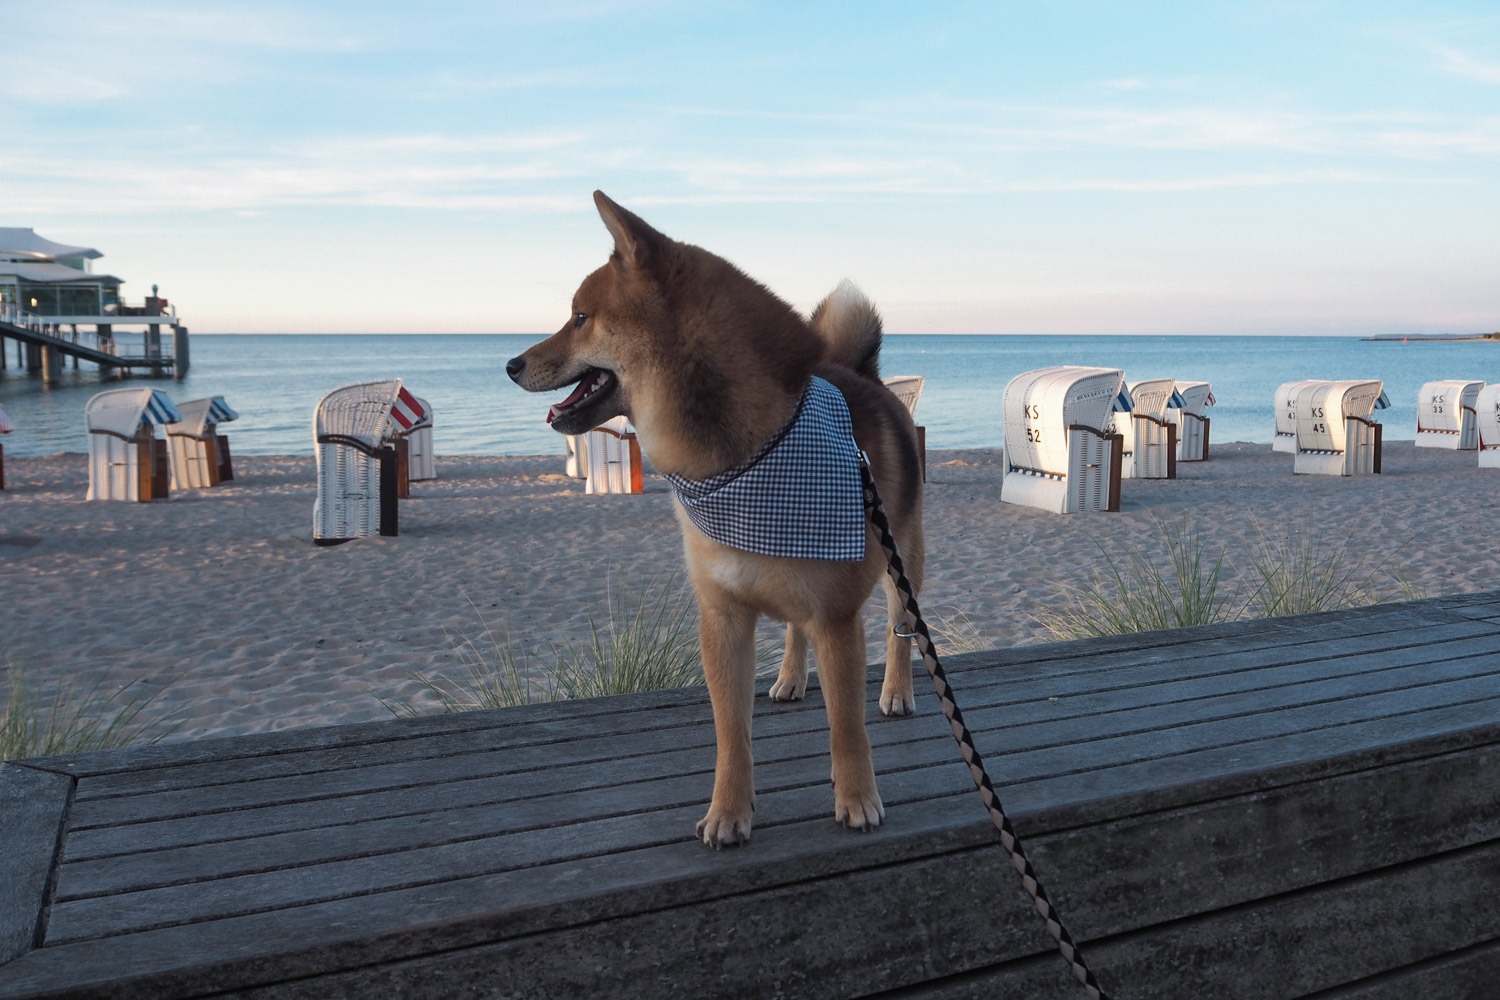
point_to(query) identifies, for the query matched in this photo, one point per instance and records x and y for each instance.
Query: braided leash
(1008, 838)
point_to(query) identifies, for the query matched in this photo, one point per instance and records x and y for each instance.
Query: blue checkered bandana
(798, 496)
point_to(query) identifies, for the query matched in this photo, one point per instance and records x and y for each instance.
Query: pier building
(54, 307)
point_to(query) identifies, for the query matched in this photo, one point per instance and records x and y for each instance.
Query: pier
(53, 307)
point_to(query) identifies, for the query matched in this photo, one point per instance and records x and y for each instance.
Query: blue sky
(1278, 168)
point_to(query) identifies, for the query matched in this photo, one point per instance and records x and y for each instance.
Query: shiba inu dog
(724, 381)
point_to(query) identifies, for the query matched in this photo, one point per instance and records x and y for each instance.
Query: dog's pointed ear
(635, 242)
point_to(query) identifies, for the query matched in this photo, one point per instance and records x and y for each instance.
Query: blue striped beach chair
(127, 444)
(200, 454)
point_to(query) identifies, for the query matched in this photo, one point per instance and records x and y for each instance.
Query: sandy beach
(220, 598)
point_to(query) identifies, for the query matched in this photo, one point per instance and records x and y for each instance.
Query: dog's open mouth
(595, 386)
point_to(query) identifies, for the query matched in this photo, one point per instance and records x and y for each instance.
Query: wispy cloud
(1467, 65)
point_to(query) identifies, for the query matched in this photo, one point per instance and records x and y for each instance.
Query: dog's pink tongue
(579, 391)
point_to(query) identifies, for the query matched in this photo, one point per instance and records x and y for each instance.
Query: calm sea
(275, 381)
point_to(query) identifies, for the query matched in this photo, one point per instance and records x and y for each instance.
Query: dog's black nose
(515, 366)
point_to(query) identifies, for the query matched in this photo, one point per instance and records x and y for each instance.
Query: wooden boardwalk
(1302, 807)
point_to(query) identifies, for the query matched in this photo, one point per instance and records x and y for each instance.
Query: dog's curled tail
(849, 326)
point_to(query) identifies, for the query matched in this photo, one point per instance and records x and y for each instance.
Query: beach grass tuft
(1290, 573)
(953, 631)
(1134, 594)
(648, 643)
(73, 722)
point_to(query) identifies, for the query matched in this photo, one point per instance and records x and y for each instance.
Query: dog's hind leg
(840, 648)
(896, 695)
(726, 634)
(791, 680)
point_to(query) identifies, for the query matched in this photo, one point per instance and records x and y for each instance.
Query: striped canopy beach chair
(127, 458)
(5, 428)
(200, 454)
(421, 463)
(354, 429)
(1150, 439)
(1060, 454)
(1192, 426)
(1336, 435)
(1447, 415)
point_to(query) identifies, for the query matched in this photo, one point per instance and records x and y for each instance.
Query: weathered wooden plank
(1293, 945)
(683, 772)
(33, 808)
(1024, 700)
(621, 826)
(852, 928)
(1470, 972)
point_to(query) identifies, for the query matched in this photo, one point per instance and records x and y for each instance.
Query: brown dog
(712, 369)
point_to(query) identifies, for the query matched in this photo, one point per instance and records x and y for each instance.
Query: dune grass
(1289, 573)
(645, 643)
(74, 722)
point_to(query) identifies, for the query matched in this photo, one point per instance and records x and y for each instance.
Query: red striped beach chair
(355, 428)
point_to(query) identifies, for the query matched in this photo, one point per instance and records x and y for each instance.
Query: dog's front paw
(788, 688)
(722, 828)
(858, 812)
(897, 702)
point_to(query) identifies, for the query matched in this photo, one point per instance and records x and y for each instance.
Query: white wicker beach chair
(127, 460)
(1286, 414)
(1335, 433)
(576, 464)
(5, 428)
(200, 454)
(908, 389)
(1487, 424)
(614, 458)
(421, 463)
(353, 430)
(1446, 415)
(1060, 455)
(1192, 425)
(1150, 439)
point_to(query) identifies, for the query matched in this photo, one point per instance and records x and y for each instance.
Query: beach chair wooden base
(226, 462)
(153, 470)
(403, 468)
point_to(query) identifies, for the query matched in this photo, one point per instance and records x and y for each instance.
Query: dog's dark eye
(580, 318)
